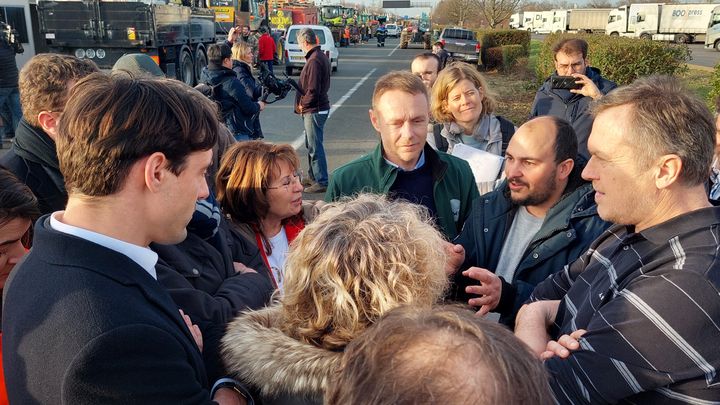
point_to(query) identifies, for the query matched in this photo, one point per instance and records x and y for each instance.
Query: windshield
(221, 3)
(330, 12)
(715, 19)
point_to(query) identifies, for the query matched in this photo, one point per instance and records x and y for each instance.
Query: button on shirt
(650, 304)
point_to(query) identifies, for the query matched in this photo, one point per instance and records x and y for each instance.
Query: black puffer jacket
(239, 109)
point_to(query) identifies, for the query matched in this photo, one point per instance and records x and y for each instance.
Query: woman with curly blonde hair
(359, 259)
(462, 101)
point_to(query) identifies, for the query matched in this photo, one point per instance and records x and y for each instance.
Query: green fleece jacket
(454, 186)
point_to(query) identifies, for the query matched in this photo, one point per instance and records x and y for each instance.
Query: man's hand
(227, 396)
(262, 105)
(455, 257)
(194, 330)
(233, 34)
(532, 322)
(563, 346)
(589, 89)
(489, 289)
(241, 268)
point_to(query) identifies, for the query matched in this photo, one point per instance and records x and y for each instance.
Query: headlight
(90, 53)
(79, 53)
(100, 53)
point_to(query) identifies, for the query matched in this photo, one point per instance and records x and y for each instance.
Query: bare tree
(497, 11)
(457, 11)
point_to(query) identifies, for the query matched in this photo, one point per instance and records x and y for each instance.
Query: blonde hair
(448, 79)
(239, 49)
(359, 259)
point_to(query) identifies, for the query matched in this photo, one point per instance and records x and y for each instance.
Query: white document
(485, 166)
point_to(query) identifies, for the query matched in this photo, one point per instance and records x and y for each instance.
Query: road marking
(300, 141)
(393, 51)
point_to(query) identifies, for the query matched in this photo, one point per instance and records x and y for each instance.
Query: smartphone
(564, 82)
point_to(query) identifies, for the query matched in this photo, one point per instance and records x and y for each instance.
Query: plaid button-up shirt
(650, 303)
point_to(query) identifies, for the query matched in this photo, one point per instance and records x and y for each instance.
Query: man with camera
(9, 93)
(567, 93)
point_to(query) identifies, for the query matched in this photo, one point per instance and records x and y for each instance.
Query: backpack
(216, 93)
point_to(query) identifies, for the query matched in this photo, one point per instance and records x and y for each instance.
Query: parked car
(294, 56)
(461, 44)
(393, 30)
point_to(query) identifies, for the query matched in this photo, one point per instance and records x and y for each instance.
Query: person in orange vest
(346, 36)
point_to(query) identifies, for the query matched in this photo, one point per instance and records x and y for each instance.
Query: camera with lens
(277, 87)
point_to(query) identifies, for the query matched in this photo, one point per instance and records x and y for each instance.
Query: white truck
(543, 22)
(712, 38)
(682, 23)
(529, 18)
(588, 20)
(516, 21)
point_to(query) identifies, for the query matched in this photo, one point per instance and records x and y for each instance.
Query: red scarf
(292, 226)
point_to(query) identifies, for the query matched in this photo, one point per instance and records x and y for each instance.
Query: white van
(393, 30)
(294, 56)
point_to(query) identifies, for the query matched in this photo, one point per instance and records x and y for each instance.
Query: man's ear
(374, 119)
(48, 122)
(156, 171)
(565, 168)
(668, 171)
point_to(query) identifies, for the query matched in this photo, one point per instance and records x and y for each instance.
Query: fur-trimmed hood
(260, 354)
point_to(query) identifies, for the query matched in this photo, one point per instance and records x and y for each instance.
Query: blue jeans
(314, 124)
(11, 96)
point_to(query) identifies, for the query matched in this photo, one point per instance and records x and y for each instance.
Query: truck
(173, 35)
(712, 38)
(529, 18)
(587, 20)
(461, 44)
(235, 13)
(681, 23)
(516, 21)
(543, 22)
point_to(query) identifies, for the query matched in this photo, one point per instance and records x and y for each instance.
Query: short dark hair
(112, 121)
(666, 118)
(447, 354)
(566, 143)
(428, 55)
(570, 46)
(308, 35)
(16, 199)
(217, 53)
(440, 44)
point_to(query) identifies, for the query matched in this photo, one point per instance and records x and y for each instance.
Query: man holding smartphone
(567, 93)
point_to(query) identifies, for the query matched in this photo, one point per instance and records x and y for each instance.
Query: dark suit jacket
(83, 324)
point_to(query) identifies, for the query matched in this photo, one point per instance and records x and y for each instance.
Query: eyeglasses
(287, 181)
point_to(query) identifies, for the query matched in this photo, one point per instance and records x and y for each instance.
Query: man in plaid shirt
(636, 319)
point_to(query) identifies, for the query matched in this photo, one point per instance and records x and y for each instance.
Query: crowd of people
(173, 258)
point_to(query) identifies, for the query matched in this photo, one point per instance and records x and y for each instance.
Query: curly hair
(359, 259)
(447, 80)
(44, 82)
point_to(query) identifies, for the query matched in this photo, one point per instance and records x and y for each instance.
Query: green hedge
(492, 38)
(493, 58)
(621, 60)
(714, 88)
(511, 54)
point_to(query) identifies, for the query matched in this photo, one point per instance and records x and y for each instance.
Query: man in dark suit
(85, 320)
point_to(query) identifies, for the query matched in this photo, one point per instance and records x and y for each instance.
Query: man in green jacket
(402, 165)
(542, 218)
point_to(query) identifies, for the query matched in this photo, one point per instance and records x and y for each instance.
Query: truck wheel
(185, 69)
(717, 45)
(200, 63)
(614, 34)
(646, 36)
(288, 70)
(682, 39)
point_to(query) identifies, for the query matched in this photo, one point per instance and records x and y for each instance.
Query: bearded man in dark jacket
(542, 218)
(572, 105)
(238, 110)
(45, 82)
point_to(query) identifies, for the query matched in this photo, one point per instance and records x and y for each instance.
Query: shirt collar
(420, 163)
(143, 256)
(682, 224)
